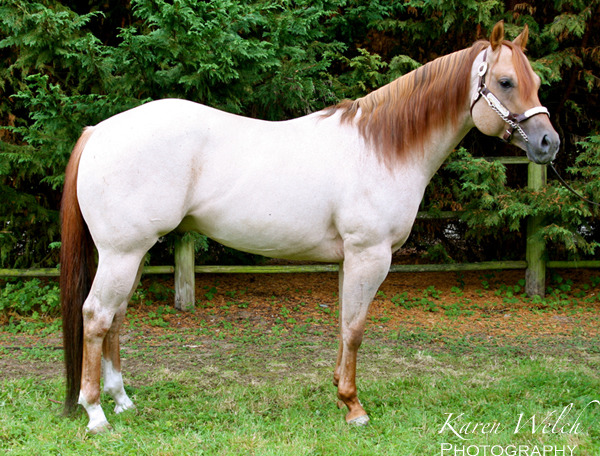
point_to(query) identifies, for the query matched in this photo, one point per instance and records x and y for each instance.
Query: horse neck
(420, 116)
(441, 143)
(449, 112)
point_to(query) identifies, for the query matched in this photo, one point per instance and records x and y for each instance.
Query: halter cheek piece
(513, 120)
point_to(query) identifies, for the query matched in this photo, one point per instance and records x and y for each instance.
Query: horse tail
(76, 274)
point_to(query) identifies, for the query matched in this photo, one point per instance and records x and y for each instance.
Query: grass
(233, 380)
(280, 401)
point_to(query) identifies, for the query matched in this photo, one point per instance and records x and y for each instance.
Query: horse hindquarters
(93, 310)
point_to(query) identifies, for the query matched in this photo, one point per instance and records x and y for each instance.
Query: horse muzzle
(542, 146)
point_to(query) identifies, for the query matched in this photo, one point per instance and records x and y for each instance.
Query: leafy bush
(495, 211)
(25, 306)
(30, 297)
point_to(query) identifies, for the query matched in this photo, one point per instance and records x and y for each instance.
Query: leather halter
(513, 120)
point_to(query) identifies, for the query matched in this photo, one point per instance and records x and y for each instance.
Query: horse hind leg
(111, 356)
(111, 364)
(103, 312)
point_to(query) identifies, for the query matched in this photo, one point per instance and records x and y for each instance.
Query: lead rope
(568, 187)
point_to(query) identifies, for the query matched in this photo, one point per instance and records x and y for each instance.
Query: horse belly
(271, 220)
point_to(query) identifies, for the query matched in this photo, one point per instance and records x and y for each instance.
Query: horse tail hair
(77, 264)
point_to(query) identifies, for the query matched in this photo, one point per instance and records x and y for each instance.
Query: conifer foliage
(66, 65)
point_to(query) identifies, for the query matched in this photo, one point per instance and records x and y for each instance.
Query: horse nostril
(545, 143)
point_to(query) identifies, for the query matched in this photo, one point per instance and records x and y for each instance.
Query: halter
(512, 119)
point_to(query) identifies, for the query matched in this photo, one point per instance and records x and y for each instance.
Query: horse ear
(497, 35)
(521, 40)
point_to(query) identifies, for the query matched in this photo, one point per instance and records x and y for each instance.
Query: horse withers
(341, 185)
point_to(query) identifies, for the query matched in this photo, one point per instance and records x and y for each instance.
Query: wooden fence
(534, 265)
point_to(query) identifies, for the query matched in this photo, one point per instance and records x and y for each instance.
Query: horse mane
(398, 118)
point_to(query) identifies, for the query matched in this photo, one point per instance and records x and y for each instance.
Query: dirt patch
(469, 303)
(297, 314)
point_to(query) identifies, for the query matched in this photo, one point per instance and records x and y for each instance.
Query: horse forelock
(398, 118)
(525, 75)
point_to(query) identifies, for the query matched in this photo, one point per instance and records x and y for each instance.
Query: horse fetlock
(113, 385)
(122, 401)
(348, 395)
(97, 420)
(355, 408)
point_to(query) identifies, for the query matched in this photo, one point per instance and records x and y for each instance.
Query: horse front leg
(363, 273)
(337, 371)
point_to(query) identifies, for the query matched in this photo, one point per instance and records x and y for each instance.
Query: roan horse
(341, 185)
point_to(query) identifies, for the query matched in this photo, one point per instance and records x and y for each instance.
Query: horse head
(505, 102)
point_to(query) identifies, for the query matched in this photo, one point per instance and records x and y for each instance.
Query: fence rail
(535, 264)
(290, 268)
(315, 268)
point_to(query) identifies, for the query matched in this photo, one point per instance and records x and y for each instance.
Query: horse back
(285, 189)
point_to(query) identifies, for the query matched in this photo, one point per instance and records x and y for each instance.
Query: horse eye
(506, 83)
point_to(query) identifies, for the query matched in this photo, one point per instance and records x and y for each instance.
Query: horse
(342, 185)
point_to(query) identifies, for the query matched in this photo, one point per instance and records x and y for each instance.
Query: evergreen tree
(66, 66)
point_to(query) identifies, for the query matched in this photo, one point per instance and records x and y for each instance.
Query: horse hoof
(360, 421)
(100, 428)
(120, 408)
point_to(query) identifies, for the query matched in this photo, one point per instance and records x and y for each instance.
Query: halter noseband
(512, 119)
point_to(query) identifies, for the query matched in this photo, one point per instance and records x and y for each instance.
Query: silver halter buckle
(482, 68)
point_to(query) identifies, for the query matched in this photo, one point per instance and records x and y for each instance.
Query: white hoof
(360, 421)
(126, 404)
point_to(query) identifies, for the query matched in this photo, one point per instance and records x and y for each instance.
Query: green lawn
(277, 399)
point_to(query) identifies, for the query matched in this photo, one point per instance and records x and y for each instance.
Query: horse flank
(398, 119)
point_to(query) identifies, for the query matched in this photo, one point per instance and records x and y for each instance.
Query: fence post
(184, 273)
(535, 275)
